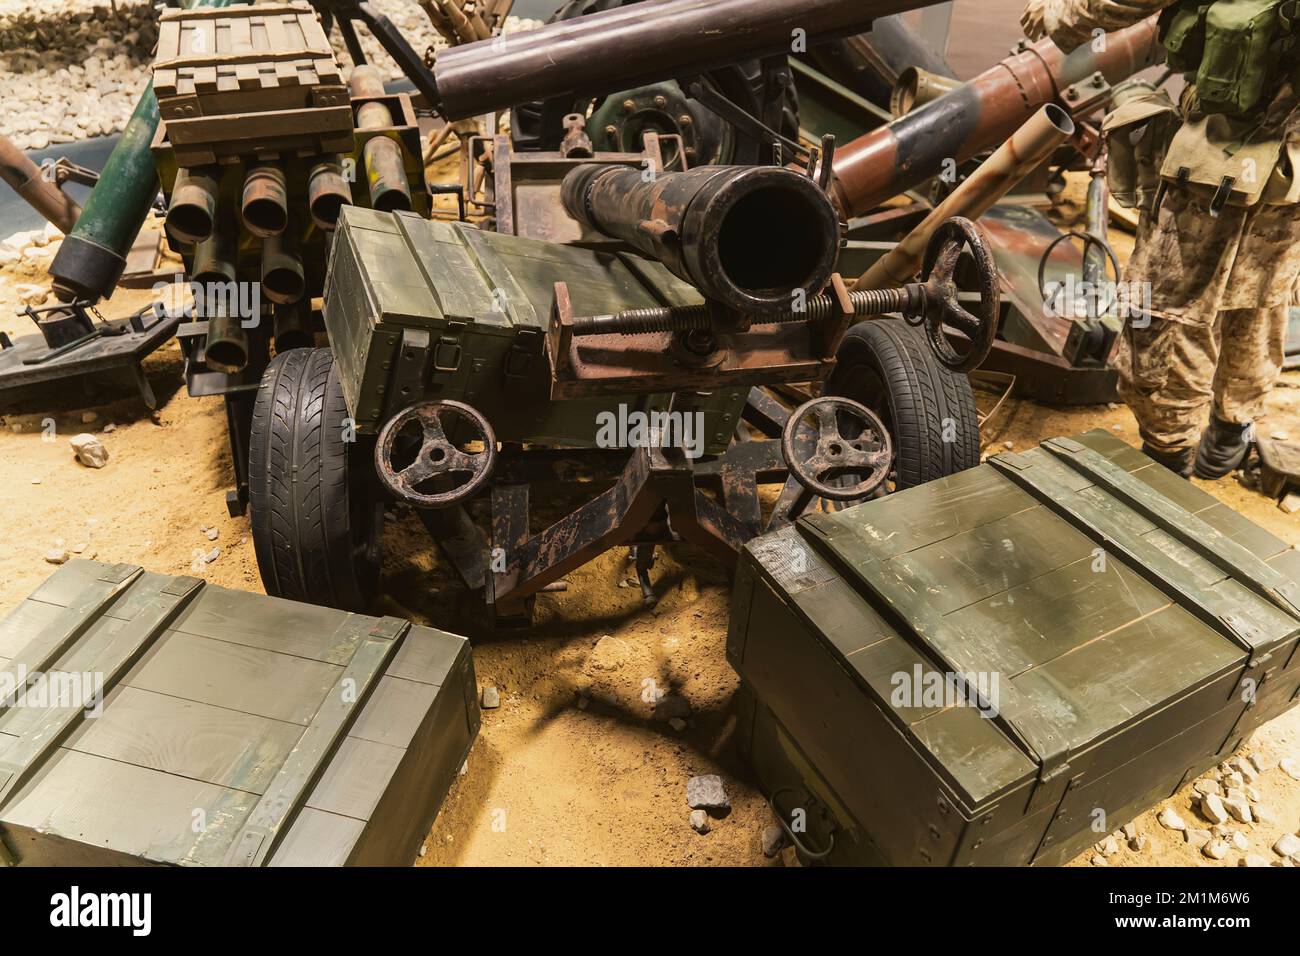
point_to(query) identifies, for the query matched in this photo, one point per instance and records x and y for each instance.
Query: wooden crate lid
(1096, 585)
(250, 47)
(248, 714)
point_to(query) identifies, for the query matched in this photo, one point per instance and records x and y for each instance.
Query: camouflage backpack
(1240, 51)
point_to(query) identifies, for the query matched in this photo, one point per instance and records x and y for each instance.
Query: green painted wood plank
(39, 654)
(1171, 577)
(213, 744)
(1201, 536)
(284, 798)
(57, 718)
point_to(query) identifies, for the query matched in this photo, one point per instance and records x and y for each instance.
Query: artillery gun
(469, 366)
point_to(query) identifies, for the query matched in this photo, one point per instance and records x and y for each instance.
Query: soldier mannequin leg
(1253, 344)
(1166, 375)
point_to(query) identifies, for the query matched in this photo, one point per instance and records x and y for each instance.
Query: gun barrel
(636, 44)
(29, 181)
(748, 237)
(980, 114)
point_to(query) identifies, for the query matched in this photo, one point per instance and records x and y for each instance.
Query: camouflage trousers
(1215, 334)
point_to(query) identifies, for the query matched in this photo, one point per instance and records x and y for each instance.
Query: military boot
(1222, 449)
(1179, 460)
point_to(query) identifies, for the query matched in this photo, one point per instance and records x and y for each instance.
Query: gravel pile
(73, 69)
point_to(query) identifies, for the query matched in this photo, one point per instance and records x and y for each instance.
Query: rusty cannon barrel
(41, 193)
(983, 113)
(193, 207)
(748, 237)
(636, 44)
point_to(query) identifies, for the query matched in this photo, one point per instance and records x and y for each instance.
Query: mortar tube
(264, 205)
(283, 279)
(292, 328)
(390, 190)
(1015, 159)
(193, 206)
(327, 192)
(916, 87)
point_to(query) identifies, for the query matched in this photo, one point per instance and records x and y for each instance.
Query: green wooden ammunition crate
(419, 310)
(150, 719)
(1116, 631)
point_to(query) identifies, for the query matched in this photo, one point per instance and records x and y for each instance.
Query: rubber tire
(526, 117)
(315, 515)
(887, 365)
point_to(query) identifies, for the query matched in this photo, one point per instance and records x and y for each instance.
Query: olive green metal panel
(234, 729)
(1131, 636)
(418, 310)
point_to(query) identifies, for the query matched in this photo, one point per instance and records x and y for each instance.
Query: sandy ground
(572, 768)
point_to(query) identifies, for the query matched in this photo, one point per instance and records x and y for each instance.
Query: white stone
(1170, 820)
(1212, 808)
(1288, 845)
(90, 450)
(1215, 849)
(1239, 808)
(700, 821)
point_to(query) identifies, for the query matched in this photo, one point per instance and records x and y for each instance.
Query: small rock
(1288, 845)
(1263, 814)
(1138, 843)
(1129, 831)
(677, 724)
(1281, 436)
(1290, 767)
(1008, 445)
(212, 556)
(1253, 859)
(773, 840)
(672, 706)
(90, 450)
(490, 699)
(583, 703)
(424, 848)
(36, 481)
(79, 548)
(212, 534)
(1239, 808)
(1206, 785)
(56, 556)
(1245, 768)
(1252, 794)
(1099, 860)
(1170, 820)
(89, 417)
(1262, 763)
(1233, 781)
(110, 428)
(608, 654)
(700, 821)
(1212, 808)
(1108, 846)
(707, 793)
(1215, 849)
(1198, 838)
(1239, 841)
